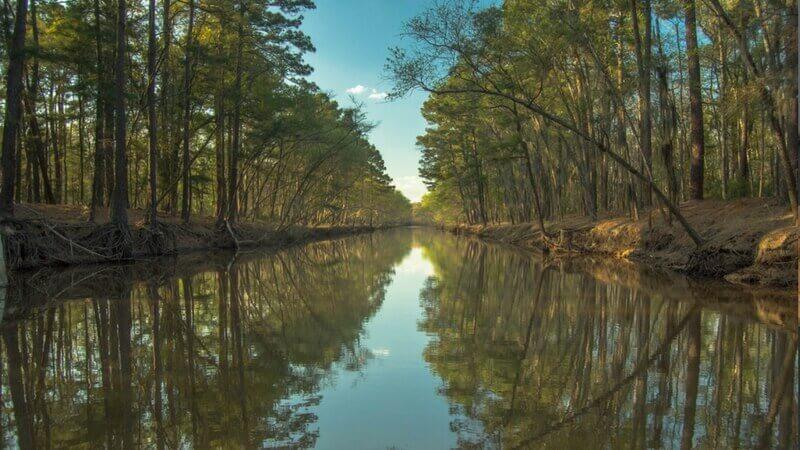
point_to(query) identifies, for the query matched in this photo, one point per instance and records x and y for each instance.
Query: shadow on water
(235, 351)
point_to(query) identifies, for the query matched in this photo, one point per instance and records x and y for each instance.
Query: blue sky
(352, 38)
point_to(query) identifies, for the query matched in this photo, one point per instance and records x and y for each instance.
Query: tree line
(540, 108)
(190, 108)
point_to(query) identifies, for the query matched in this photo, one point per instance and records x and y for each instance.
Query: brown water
(403, 339)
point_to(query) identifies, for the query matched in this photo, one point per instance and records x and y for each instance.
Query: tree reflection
(533, 354)
(231, 357)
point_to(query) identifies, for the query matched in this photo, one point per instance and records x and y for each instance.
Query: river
(403, 339)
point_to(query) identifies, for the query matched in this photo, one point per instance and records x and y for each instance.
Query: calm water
(407, 339)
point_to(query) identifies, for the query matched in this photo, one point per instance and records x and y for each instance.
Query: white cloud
(411, 186)
(356, 90)
(375, 95)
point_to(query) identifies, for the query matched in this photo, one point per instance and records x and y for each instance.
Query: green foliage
(537, 107)
(300, 157)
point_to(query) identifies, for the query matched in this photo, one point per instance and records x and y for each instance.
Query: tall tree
(281, 166)
(37, 137)
(11, 120)
(697, 167)
(236, 139)
(793, 60)
(643, 62)
(186, 204)
(219, 146)
(152, 122)
(119, 201)
(98, 188)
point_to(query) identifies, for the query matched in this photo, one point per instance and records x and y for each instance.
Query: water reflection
(224, 358)
(219, 352)
(539, 355)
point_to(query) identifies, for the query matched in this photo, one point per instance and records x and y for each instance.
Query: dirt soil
(747, 241)
(55, 235)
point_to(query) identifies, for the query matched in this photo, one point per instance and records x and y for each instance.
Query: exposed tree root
(157, 238)
(33, 243)
(40, 242)
(747, 241)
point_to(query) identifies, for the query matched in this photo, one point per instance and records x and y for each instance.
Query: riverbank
(747, 241)
(61, 235)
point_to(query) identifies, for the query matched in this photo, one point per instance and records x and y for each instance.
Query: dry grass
(749, 241)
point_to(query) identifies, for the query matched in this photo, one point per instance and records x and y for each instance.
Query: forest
(606, 255)
(543, 108)
(190, 109)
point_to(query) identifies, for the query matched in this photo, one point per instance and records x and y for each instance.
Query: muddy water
(407, 339)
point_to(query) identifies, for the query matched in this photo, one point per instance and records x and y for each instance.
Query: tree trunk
(99, 161)
(643, 60)
(668, 122)
(793, 134)
(37, 143)
(20, 150)
(668, 115)
(152, 123)
(621, 139)
(99, 127)
(187, 120)
(219, 151)
(81, 151)
(722, 122)
(695, 103)
(168, 167)
(11, 121)
(478, 173)
(236, 138)
(108, 143)
(743, 166)
(34, 129)
(119, 204)
(58, 146)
